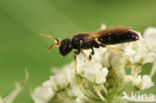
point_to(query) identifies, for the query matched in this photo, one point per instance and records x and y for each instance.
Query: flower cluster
(112, 71)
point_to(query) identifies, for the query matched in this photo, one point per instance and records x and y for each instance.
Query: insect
(101, 38)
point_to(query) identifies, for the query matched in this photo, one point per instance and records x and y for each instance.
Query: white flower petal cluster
(105, 77)
(140, 82)
(140, 53)
(146, 82)
(149, 36)
(49, 88)
(93, 72)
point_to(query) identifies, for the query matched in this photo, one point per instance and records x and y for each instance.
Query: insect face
(65, 47)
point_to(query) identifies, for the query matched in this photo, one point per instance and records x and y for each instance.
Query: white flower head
(140, 82)
(93, 72)
(106, 59)
(147, 82)
(128, 78)
(150, 37)
(103, 77)
(140, 53)
(42, 94)
(118, 61)
(49, 88)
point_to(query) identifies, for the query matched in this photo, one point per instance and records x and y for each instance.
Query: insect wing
(104, 32)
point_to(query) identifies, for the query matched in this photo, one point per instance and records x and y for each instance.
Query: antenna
(56, 41)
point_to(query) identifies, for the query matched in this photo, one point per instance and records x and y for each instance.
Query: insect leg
(75, 61)
(116, 49)
(83, 53)
(91, 54)
(76, 52)
(102, 45)
(111, 48)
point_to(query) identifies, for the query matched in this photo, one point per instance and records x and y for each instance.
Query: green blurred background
(21, 22)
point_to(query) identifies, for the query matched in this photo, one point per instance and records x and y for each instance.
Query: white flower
(147, 82)
(139, 52)
(78, 100)
(128, 78)
(42, 94)
(141, 82)
(61, 81)
(150, 37)
(49, 88)
(93, 72)
(118, 61)
(106, 59)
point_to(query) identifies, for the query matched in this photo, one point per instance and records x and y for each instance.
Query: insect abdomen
(120, 38)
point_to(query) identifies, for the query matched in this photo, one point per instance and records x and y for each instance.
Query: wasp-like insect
(101, 38)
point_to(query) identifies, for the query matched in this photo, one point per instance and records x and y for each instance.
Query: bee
(101, 38)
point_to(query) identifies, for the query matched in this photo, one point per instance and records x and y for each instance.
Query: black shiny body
(78, 42)
(118, 38)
